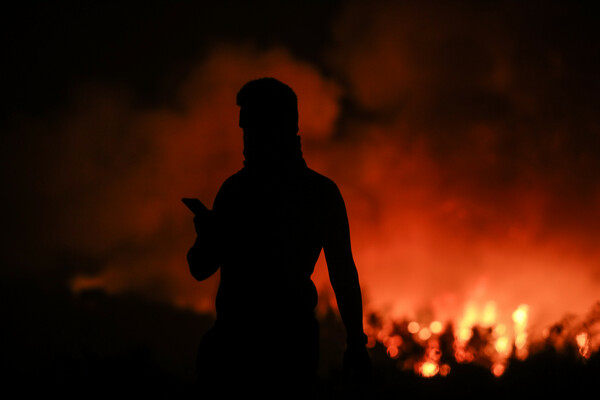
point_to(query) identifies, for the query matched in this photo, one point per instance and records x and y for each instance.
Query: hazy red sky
(464, 138)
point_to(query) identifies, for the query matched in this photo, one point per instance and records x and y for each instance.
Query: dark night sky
(49, 47)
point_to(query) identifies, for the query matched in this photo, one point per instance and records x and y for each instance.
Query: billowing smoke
(471, 173)
(109, 176)
(466, 150)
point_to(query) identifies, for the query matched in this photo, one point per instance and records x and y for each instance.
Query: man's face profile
(260, 131)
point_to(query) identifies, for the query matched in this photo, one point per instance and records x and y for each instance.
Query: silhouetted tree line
(93, 345)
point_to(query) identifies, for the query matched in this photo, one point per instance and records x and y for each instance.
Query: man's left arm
(344, 280)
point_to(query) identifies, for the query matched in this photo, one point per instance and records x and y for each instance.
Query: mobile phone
(195, 206)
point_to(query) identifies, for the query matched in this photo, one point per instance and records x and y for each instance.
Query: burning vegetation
(431, 347)
(115, 345)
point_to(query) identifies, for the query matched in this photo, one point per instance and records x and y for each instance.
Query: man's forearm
(349, 302)
(203, 256)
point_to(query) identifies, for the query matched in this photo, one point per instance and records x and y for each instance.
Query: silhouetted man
(268, 225)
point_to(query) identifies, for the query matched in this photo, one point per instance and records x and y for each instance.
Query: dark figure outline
(266, 230)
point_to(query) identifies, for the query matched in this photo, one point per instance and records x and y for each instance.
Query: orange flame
(478, 338)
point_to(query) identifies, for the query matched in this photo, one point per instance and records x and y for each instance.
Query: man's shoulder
(321, 181)
(317, 176)
(316, 180)
(232, 184)
(236, 178)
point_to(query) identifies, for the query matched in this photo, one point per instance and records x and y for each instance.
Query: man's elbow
(345, 282)
(201, 268)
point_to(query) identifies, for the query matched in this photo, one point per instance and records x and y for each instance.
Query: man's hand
(203, 221)
(202, 257)
(195, 206)
(357, 371)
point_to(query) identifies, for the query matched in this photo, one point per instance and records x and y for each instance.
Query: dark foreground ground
(98, 346)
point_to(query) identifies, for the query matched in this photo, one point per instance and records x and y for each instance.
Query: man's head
(268, 107)
(269, 118)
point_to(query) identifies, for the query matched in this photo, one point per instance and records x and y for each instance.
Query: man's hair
(268, 104)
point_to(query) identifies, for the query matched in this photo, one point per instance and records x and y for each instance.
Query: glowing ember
(393, 351)
(498, 369)
(519, 316)
(393, 343)
(583, 341)
(396, 341)
(371, 342)
(500, 329)
(464, 334)
(489, 314)
(424, 334)
(463, 356)
(413, 327)
(502, 345)
(428, 369)
(444, 370)
(521, 340)
(436, 327)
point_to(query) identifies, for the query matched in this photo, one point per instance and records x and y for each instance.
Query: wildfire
(519, 317)
(478, 336)
(583, 341)
(436, 327)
